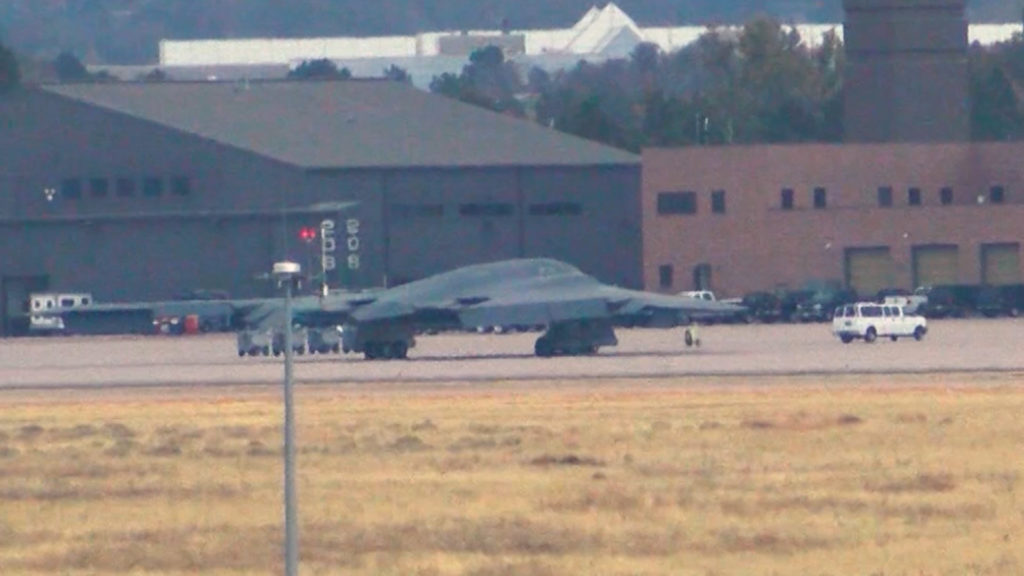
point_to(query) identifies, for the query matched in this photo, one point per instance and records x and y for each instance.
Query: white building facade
(601, 34)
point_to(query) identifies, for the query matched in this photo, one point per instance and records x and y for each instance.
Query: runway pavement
(951, 346)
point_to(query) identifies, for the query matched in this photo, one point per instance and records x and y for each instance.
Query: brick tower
(906, 71)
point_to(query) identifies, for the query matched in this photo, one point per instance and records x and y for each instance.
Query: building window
(914, 196)
(946, 196)
(556, 209)
(677, 203)
(99, 187)
(787, 199)
(181, 186)
(820, 198)
(665, 274)
(718, 201)
(996, 195)
(492, 209)
(125, 187)
(885, 196)
(417, 210)
(152, 187)
(71, 188)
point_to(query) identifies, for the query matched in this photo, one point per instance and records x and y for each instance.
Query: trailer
(42, 306)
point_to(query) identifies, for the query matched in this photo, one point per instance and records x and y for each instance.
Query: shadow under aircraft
(577, 313)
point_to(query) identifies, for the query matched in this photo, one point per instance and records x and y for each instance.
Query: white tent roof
(601, 33)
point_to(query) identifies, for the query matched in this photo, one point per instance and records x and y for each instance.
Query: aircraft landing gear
(378, 342)
(397, 350)
(575, 338)
(690, 337)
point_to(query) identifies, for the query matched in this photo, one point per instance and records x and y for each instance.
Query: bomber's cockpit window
(554, 268)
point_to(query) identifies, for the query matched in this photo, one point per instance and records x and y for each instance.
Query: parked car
(949, 300)
(789, 300)
(822, 304)
(1001, 300)
(910, 302)
(869, 321)
(762, 307)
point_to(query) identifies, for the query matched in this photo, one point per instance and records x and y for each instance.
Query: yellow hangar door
(868, 270)
(935, 265)
(1000, 264)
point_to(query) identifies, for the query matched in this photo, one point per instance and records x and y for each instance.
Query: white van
(870, 320)
(41, 302)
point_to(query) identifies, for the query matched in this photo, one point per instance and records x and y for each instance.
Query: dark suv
(949, 300)
(1001, 300)
(822, 304)
(762, 307)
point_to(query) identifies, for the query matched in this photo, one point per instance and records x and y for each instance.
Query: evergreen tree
(10, 73)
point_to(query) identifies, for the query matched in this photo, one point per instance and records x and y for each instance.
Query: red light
(307, 234)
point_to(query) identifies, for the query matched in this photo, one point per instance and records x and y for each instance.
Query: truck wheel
(870, 335)
(918, 333)
(846, 338)
(894, 337)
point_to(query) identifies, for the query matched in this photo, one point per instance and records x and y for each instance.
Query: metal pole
(291, 530)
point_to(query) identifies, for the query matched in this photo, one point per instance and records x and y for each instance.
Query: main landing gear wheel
(398, 350)
(543, 348)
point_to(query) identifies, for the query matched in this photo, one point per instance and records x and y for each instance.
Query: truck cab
(705, 295)
(869, 320)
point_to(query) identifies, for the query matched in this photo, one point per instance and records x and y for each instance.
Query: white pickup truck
(870, 320)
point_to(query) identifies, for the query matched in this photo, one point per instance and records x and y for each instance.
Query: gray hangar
(150, 190)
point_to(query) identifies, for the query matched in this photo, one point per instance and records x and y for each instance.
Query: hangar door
(868, 270)
(935, 265)
(1000, 264)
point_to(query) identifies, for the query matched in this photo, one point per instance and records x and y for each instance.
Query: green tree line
(763, 85)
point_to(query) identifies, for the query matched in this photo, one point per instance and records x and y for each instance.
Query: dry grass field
(905, 475)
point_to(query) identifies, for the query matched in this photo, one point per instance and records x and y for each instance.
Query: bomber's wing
(634, 306)
(254, 313)
(549, 305)
(332, 310)
(140, 317)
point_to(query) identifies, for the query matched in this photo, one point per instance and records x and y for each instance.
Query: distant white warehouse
(601, 34)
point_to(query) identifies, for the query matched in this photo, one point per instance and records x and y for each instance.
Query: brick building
(738, 219)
